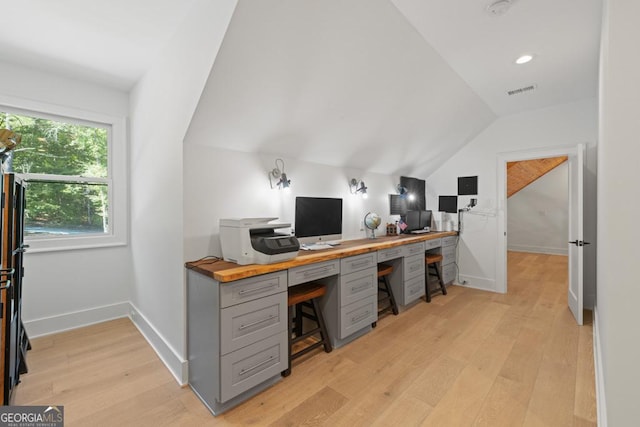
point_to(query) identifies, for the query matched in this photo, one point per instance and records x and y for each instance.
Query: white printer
(254, 241)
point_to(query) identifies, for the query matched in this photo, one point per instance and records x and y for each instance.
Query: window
(73, 198)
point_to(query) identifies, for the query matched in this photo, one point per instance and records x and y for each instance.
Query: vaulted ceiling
(391, 86)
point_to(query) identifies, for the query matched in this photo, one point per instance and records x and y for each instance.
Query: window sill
(72, 243)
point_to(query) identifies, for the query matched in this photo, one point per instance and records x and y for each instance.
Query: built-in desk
(237, 314)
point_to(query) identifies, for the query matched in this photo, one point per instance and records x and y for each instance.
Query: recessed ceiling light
(524, 59)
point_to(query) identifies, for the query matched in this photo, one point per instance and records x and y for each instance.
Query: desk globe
(372, 221)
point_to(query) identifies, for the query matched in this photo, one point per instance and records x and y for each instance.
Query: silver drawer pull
(355, 289)
(315, 271)
(257, 322)
(361, 317)
(256, 290)
(256, 366)
(360, 264)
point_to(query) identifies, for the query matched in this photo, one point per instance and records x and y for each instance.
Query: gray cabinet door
(358, 262)
(308, 273)
(433, 243)
(413, 289)
(413, 266)
(244, 290)
(390, 253)
(358, 285)
(244, 324)
(358, 315)
(251, 365)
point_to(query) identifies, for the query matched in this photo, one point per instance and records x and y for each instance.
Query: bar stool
(384, 270)
(432, 261)
(301, 296)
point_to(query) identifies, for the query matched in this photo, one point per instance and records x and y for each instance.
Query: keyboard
(315, 247)
(419, 231)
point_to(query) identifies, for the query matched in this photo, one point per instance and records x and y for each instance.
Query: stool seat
(432, 260)
(298, 298)
(384, 270)
(302, 293)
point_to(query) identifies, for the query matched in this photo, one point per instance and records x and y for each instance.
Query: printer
(254, 241)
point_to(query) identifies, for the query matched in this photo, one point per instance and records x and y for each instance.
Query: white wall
(67, 289)
(162, 104)
(538, 219)
(618, 207)
(560, 125)
(229, 184)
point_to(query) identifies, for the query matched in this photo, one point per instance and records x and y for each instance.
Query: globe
(372, 221)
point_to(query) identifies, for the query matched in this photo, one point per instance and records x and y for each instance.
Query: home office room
(224, 118)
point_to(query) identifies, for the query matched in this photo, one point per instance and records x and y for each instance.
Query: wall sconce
(404, 193)
(358, 187)
(282, 181)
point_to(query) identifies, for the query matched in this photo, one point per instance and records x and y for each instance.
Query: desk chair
(384, 270)
(302, 296)
(433, 261)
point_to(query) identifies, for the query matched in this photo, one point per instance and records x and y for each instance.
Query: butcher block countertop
(224, 271)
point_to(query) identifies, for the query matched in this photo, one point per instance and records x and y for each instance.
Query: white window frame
(117, 175)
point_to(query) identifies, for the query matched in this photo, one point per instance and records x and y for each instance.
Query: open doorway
(575, 162)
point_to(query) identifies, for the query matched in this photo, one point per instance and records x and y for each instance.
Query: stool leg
(323, 328)
(392, 299)
(287, 371)
(442, 287)
(426, 285)
(298, 320)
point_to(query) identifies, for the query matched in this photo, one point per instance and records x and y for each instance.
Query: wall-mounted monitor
(467, 185)
(448, 204)
(318, 219)
(415, 187)
(397, 204)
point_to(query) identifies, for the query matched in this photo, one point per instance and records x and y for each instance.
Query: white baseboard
(475, 282)
(601, 402)
(538, 249)
(171, 358)
(78, 319)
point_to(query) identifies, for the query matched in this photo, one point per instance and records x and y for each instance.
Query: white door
(576, 237)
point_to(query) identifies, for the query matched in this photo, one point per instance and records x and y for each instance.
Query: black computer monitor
(448, 204)
(417, 220)
(318, 219)
(425, 219)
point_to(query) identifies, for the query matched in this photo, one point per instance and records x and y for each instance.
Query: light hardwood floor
(468, 358)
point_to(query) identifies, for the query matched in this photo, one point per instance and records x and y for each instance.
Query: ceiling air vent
(521, 90)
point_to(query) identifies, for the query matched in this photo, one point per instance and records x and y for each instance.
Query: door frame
(503, 159)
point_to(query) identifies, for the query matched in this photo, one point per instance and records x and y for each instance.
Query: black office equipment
(397, 204)
(416, 188)
(467, 185)
(425, 219)
(417, 221)
(318, 219)
(448, 204)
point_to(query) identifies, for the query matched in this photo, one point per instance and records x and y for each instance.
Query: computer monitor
(417, 220)
(448, 204)
(318, 219)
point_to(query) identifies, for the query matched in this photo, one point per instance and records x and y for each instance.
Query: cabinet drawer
(358, 285)
(413, 290)
(307, 273)
(449, 241)
(390, 253)
(414, 249)
(413, 266)
(449, 273)
(359, 262)
(251, 365)
(252, 288)
(433, 243)
(358, 315)
(244, 324)
(448, 255)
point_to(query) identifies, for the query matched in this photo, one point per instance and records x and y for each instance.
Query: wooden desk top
(224, 271)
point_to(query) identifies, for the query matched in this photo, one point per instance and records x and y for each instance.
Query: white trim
(76, 319)
(177, 365)
(538, 249)
(501, 222)
(601, 401)
(475, 282)
(117, 167)
(79, 319)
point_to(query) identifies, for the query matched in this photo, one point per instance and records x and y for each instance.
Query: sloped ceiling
(522, 173)
(348, 84)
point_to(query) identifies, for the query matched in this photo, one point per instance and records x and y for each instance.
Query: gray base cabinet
(237, 337)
